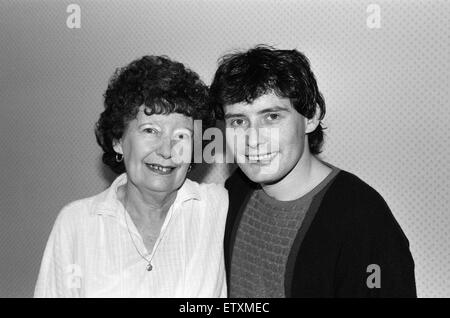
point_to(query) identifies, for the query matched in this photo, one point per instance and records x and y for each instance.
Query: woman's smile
(159, 169)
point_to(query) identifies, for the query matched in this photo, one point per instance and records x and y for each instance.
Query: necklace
(149, 261)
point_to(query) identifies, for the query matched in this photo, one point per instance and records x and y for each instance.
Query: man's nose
(252, 137)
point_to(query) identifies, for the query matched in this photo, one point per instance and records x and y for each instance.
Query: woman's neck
(145, 205)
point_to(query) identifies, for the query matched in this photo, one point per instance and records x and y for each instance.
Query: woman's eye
(182, 136)
(150, 131)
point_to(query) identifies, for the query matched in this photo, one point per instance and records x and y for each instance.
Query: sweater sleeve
(374, 260)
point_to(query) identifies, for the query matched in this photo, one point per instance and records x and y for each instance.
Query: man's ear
(313, 122)
(117, 146)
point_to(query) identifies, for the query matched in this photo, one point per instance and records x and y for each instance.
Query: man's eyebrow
(228, 116)
(263, 111)
(273, 109)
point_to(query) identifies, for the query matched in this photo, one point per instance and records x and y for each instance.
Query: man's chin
(261, 176)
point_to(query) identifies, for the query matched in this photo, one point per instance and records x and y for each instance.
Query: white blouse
(90, 252)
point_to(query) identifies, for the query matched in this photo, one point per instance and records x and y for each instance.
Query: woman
(152, 233)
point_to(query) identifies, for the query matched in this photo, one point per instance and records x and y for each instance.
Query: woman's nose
(165, 148)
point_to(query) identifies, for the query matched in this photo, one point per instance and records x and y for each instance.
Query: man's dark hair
(245, 76)
(162, 85)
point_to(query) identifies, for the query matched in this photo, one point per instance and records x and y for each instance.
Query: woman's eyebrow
(147, 123)
(184, 128)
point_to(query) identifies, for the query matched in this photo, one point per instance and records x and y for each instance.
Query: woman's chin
(160, 182)
(166, 187)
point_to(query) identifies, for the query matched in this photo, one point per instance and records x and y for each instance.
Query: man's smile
(261, 157)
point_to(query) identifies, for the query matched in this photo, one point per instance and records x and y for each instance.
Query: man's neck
(305, 176)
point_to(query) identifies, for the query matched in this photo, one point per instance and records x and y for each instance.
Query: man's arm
(375, 260)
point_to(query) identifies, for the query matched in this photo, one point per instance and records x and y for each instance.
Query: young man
(298, 226)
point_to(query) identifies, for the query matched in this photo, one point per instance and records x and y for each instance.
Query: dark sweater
(345, 230)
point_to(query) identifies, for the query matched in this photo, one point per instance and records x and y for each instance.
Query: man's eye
(272, 116)
(237, 122)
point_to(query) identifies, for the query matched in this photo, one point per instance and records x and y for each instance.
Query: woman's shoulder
(206, 190)
(211, 192)
(79, 210)
(212, 202)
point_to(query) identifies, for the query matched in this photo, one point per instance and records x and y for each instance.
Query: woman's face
(157, 150)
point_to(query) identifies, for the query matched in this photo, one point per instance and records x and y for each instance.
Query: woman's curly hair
(162, 85)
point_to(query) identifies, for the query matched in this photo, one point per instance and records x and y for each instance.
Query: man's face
(270, 137)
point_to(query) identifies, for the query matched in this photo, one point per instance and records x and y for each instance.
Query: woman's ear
(117, 146)
(313, 122)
